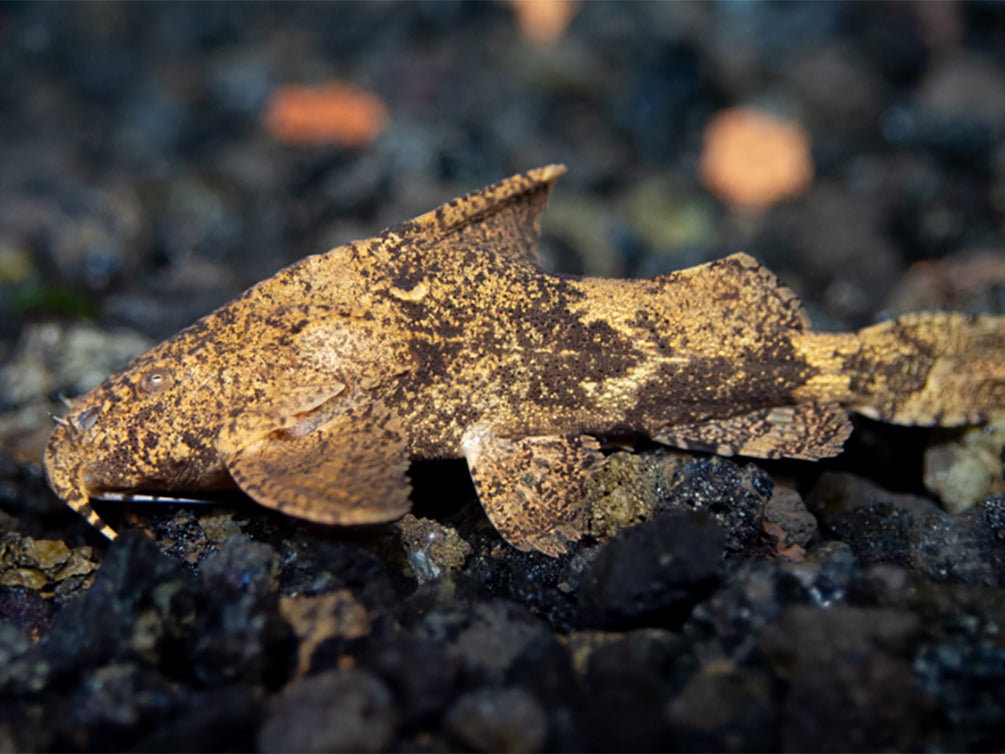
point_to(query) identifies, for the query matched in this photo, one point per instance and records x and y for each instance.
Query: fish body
(443, 338)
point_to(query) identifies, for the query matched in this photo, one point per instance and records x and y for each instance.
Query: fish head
(149, 427)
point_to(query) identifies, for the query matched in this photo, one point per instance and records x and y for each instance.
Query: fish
(443, 337)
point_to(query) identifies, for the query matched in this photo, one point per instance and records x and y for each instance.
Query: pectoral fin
(809, 431)
(532, 489)
(350, 470)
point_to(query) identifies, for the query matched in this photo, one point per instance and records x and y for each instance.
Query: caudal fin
(933, 369)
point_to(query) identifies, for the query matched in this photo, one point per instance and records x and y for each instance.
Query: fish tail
(945, 369)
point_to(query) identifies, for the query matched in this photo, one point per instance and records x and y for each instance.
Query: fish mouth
(63, 466)
(64, 469)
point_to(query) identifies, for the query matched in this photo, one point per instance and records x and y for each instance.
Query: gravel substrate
(853, 604)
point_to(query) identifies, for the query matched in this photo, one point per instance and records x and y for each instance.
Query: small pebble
(340, 710)
(506, 719)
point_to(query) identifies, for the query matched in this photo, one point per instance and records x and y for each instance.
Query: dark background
(139, 182)
(140, 188)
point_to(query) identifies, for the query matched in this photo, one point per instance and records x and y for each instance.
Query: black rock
(855, 701)
(654, 573)
(905, 530)
(754, 592)
(954, 548)
(734, 495)
(339, 710)
(316, 565)
(112, 706)
(877, 533)
(221, 719)
(732, 710)
(421, 674)
(964, 677)
(544, 668)
(876, 523)
(26, 609)
(498, 719)
(21, 669)
(487, 637)
(805, 634)
(980, 552)
(628, 686)
(538, 582)
(238, 634)
(139, 609)
(851, 683)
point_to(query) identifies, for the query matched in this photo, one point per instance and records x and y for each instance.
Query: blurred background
(157, 159)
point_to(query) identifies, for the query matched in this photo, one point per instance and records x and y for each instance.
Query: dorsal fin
(502, 217)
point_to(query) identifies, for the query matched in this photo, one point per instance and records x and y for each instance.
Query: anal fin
(532, 489)
(807, 431)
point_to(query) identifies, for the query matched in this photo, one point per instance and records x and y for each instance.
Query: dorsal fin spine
(479, 207)
(471, 207)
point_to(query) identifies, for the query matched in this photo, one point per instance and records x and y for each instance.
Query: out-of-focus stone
(77, 357)
(752, 159)
(668, 216)
(964, 470)
(803, 634)
(326, 616)
(422, 674)
(340, 710)
(786, 510)
(495, 634)
(821, 71)
(855, 701)
(964, 281)
(625, 691)
(964, 86)
(960, 672)
(653, 573)
(498, 719)
(586, 227)
(238, 634)
(718, 709)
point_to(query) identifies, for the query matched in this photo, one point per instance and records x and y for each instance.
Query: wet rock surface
(854, 604)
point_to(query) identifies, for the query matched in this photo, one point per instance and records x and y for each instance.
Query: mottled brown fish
(442, 338)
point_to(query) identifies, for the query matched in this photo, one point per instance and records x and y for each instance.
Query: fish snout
(65, 461)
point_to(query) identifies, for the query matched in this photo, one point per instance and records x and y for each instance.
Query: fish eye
(155, 381)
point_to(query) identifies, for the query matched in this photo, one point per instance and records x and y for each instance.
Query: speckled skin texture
(442, 337)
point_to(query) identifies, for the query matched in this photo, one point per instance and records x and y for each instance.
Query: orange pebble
(753, 159)
(542, 22)
(333, 113)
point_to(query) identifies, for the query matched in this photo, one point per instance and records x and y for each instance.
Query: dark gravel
(767, 606)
